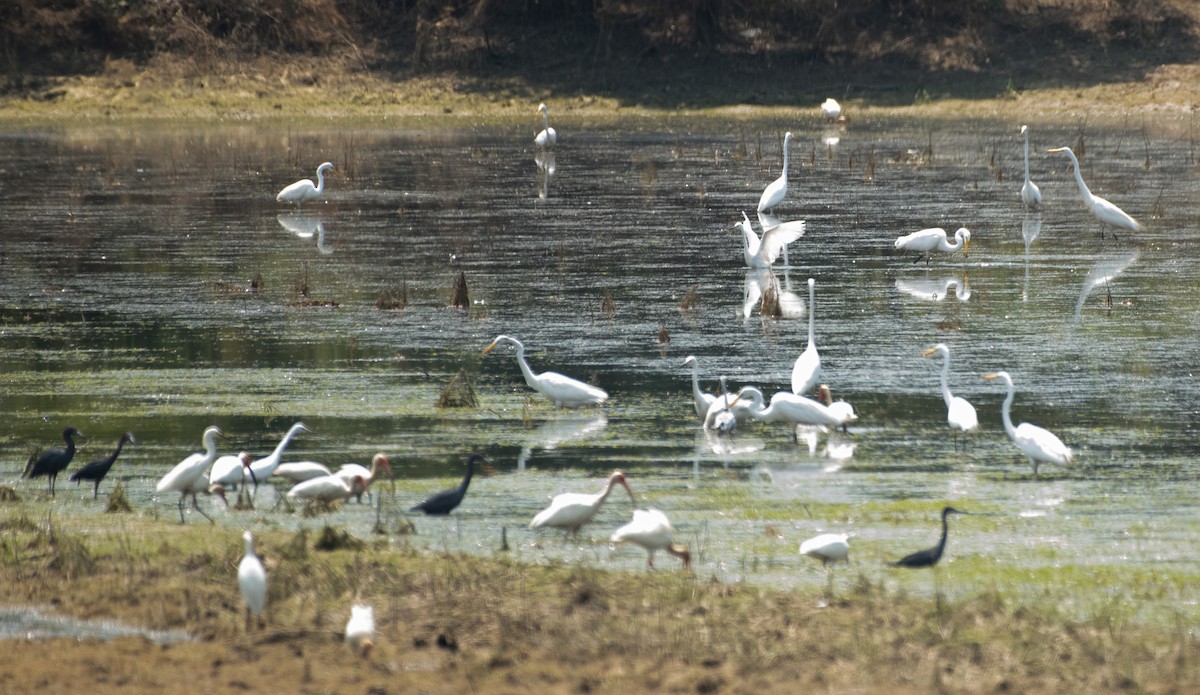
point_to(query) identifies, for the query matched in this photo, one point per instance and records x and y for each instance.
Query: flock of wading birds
(208, 473)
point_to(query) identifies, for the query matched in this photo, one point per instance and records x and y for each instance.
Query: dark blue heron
(98, 469)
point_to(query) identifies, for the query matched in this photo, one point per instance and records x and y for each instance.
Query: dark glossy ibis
(98, 469)
(445, 501)
(53, 461)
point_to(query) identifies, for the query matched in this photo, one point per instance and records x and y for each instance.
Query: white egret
(959, 413)
(300, 471)
(1104, 211)
(1038, 445)
(700, 399)
(790, 408)
(559, 389)
(548, 137)
(252, 579)
(265, 466)
(807, 369)
(230, 471)
(360, 630)
(776, 191)
(831, 110)
(327, 488)
(839, 409)
(762, 252)
(304, 190)
(350, 471)
(188, 472)
(571, 510)
(1030, 194)
(652, 530)
(926, 241)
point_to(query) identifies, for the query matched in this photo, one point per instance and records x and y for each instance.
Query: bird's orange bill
(966, 246)
(488, 349)
(928, 352)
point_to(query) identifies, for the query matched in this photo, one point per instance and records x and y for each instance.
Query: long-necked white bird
(252, 579)
(776, 191)
(762, 252)
(831, 110)
(231, 471)
(183, 477)
(959, 413)
(652, 530)
(569, 511)
(839, 409)
(807, 369)
(360, 630)
(1104, 211)
(547, 137)
(1031, 196)
(721, 416)
(350, 471)
(559, 389)
(265, 466)
(305, 190)
(299, 471)
(790, 408)
(1039, 445)
(926, 241)
(700, 399)
(327, 488)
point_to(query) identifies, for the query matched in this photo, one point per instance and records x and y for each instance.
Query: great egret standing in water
(701, 400)
(185, 478)
(959, 413)
(1038, 445)
(1104, 211)
(807, 369)
(304, 190)
(548, 137)
(1030, 195)
(926, 241)
(830, 109)
(559, 389)
(776, 191)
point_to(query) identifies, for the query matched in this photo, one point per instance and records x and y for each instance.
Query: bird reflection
(1106, 269)
(555, 432)
(758, 281)
(935, 289)
(1031, 227)
(546, 169)
(305, 226)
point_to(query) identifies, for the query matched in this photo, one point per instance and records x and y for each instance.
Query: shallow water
(22, 622)
(128, 256)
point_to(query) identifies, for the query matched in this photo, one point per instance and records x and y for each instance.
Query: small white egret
(304, 190)
(548, 137)
(252, 579)
(959, 413)
(776, 191)
(299, 471)
(184, 477)
(360, 630)
(1038, 445)
(762, 252)
(571, 510)
(559, 389)
(831, 110)
(926, 241)
(1030, 195)
(264, 467)
(652, 530)
(807, 369)
(350, 471)
(1104, 211)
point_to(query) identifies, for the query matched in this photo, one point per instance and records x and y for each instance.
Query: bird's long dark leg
(96, 490)
(196, 506)
(50, 481)
(182, 497)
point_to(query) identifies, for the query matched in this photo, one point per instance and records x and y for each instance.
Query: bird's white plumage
(299, 471)
(571, 510)
(830, 109)
(840, 410)
(776, 191)
(960, 414)
(265, 466)
(188, 471)
(807, 369)
(928, 240)
(305, 190)
(652, 530)
(1031, 195)
(761, 252)
(252, 578)
(559, 389)
(1039, 445)
(1104, 211)
(700, 399)
(230, 470)
(790, 408)
(327, 488)
(352, 471)
(827, 547)
(360, 630)
(547, 137)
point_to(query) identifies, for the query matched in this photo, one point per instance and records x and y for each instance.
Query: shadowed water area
(150, 283)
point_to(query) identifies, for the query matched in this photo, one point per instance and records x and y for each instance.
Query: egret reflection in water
(1031, 227)
(547, 167)
(552, 433)
(758, 281)
(935, 289)
(305, 226)
(1106, 269)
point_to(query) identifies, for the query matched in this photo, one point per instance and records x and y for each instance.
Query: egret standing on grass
(571, 510)
(652, 530)
(548, 137)
(807, 369)
(1030, 195)
(926, 241)
(776, 191)
(252, 579)
(98, 469)
(1038, 445)
(561, 390)
(185, 477)
(445, 501)
(304, 190)
(53, 461)
(959, 413)
(360, 630)
(1104, 211)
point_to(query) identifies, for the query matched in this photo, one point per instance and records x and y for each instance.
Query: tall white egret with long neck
(1039, 445)
(1104, 211)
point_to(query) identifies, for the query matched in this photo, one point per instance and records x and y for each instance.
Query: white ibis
(327, 488)
(571, 510)
(1038, 445)
(839, 409)
(561, 390)
(300, 471)
(96, 471)
(652, 530)
(231, 471)
(831, 110)
(305, 190)
(53, 461)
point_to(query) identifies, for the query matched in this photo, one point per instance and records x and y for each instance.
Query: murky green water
(128, 254)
